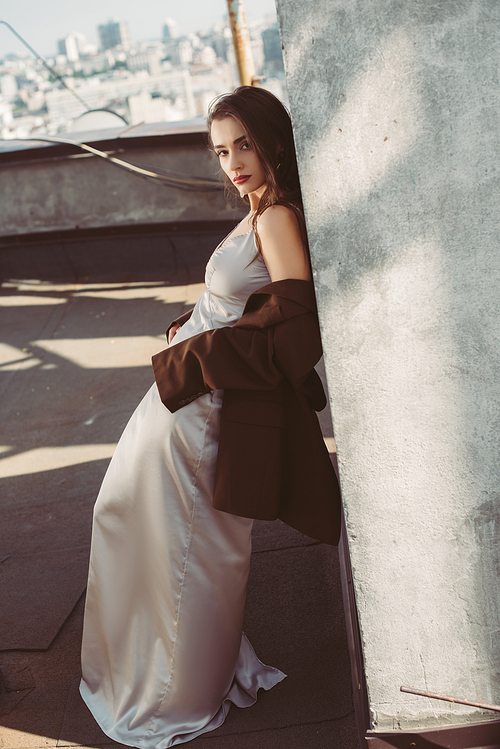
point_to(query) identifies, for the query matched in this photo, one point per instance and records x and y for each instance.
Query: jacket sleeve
(240, 357)
(222, 358)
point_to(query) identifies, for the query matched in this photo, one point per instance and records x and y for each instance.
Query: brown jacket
(272, 461)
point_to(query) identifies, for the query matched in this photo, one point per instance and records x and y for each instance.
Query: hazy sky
(42, 23)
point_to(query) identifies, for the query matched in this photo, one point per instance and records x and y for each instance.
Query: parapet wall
(78, 191)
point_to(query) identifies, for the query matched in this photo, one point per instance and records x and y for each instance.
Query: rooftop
(89, 281)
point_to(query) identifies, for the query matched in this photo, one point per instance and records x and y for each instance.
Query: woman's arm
(282, 248)
(276, 337)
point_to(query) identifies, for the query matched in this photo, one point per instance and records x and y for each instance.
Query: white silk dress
(163, 653)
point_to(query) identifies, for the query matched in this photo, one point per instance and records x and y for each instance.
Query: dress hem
(238, 694)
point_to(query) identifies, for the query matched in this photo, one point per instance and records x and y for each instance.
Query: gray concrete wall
(396, 113)
(88, 192)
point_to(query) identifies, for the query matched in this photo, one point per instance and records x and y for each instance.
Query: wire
(173, 179)
(51, 70)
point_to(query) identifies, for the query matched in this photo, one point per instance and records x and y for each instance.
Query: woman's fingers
(173, 330)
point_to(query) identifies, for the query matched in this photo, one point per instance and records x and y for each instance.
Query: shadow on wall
(394, 110)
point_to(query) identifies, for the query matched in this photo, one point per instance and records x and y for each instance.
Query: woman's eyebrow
(235, 142)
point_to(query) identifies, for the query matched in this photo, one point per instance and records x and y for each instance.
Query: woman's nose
(234, 161)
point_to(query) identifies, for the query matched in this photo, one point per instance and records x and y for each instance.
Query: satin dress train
(163, 652)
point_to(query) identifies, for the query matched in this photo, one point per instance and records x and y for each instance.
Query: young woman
(215, 442)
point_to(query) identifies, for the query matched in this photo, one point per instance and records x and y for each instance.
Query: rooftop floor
(80, 321)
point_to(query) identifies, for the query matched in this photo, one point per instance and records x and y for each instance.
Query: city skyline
(42, 26)
(158, 80)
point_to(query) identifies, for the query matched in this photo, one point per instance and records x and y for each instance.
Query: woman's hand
(173, 330)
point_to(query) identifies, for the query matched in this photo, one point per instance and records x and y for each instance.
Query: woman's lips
(241, 179)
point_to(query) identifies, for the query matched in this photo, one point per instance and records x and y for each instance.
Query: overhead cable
(172, 179)
(46, 64)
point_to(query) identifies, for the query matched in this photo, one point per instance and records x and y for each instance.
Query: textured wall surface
(396, 114)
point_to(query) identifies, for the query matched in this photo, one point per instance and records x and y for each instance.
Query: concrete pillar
(396, 105)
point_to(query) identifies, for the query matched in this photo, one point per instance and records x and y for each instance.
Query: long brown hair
(268, 127)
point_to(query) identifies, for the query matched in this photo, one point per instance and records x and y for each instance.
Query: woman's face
(237, 157)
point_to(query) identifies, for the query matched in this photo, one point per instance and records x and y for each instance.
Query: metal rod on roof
(434, 696)
(241, 42)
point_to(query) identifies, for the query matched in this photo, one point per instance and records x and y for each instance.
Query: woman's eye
(221, 153)
(245, 145)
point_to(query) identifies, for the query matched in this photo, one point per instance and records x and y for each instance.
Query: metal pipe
(434, 696)
(241, 42)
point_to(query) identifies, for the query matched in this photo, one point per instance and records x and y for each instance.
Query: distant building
(179, 51)
(205, 56)
(81, 42)
(72, 46)
(221, 40)
(69, 48)
(8, 85)
(6, 118)
(272, 44)
(36, 101)
(148, 59)
(170, 29)
(114, 34)
(257, 54)
(207, 83)
(98, 63)
(110, 94)
(90, 49)
(146, 107)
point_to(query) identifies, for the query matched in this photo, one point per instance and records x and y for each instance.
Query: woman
(163, 653)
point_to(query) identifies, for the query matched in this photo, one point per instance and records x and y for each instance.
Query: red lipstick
(241, 179)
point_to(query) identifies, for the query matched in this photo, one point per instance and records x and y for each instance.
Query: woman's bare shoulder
(278, 218)
(282, 246)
